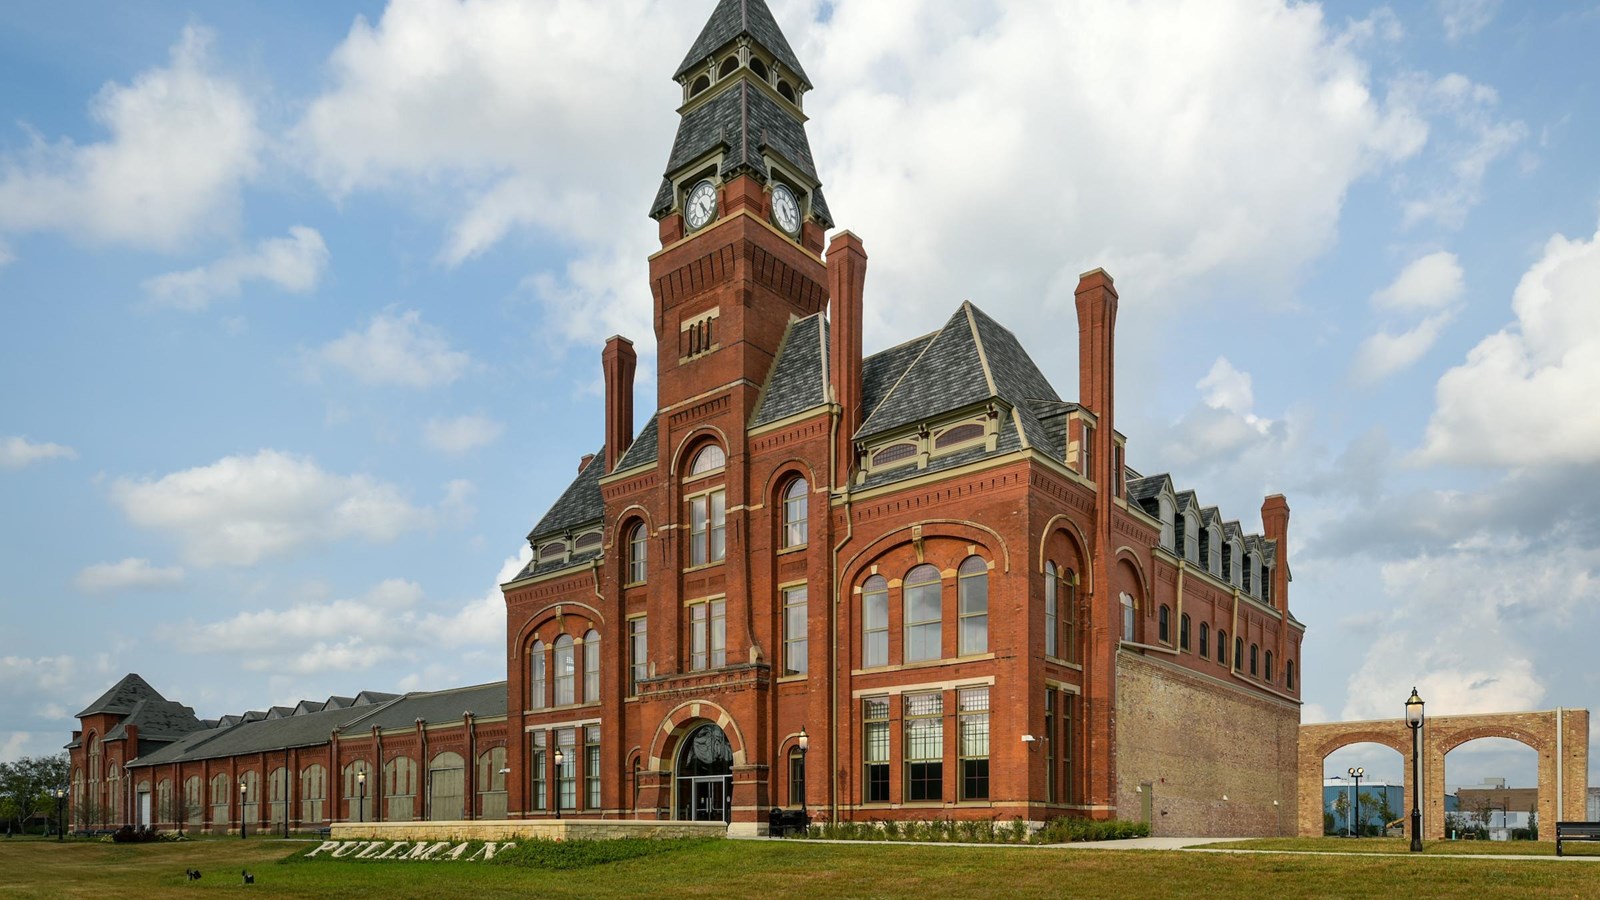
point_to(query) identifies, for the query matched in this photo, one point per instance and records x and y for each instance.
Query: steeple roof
(733, 19)
(123, 697)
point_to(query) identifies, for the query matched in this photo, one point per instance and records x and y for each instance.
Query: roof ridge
(889, 394)
(977, 341)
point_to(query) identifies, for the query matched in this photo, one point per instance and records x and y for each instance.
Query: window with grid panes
(591, 666)
(566, 771)
(708, 515)
(566, 671)
(797, 776)
(924, 746)
(638, 554)
(795, 643)
(875, 749)
(1068, 701)
(972, 590)
(591, 767)
(972, 746)
(1049, 745)
(536, 678)
(1051, 625)
(536, 765)
(795, 508)
(708, 634)
(923, 614)
(638, 653)
(875, 622)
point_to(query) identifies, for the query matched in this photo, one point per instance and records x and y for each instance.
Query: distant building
(1594, 805)
(1508, 808)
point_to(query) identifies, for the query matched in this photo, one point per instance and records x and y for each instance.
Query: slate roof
(799, 376)
(157, 720)
(644, 449)
(733, 19)
(435, 706)
(744, 120)
(579, 504)
(880, 371)
(260, 736)
(123, 697)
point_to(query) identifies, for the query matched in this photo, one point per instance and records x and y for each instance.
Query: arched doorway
(703, 775)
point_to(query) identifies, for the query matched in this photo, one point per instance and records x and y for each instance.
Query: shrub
(127, 834)
(1064, 830)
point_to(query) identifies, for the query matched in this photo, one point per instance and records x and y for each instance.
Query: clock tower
(741, 213)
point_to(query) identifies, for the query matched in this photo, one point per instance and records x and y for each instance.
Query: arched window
(1205, 548)
(400, 789)
(1222, 646)
(709, 459)
(728, 66)
(796, 500)
(1067, 595)
(1269, 665)
(875, 622)
(1183, 632)
(972, 586)
(313, 794)
(566, 671)
(1288, 674)
(923, 614)
(1205, 640)
(591, 666)
(699, 86)
(1051, 638)
(536, 676)
(1254, 655)
(491, 783)
(638, 553)
(1164, 624)
(758, 67)
(1249, 572)
(1127, 616)
(1238, 653)
(786, 91)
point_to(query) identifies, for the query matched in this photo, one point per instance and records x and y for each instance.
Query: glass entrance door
(710, 799)
(705, 776)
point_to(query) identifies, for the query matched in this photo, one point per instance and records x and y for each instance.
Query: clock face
(701, 206)
(786, 210)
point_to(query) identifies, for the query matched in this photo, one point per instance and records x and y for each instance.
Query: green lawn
(1403, 845)
(781, 869)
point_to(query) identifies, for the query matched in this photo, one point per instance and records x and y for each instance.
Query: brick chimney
(1275, 521)
(619, 361)
(847, 277)
(1097, 322)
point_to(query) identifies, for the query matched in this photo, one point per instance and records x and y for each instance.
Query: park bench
(325, 832)
(1576, 831)
(782, 822)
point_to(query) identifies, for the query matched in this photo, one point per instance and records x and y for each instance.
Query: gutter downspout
(838, 603)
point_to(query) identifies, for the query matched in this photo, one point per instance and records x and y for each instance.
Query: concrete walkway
(1148, 843)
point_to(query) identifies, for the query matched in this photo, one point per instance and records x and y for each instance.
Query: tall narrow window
(1049, 745)
(924, 746)
(875, 622)
(795, 503)
(1086, 450)
(1238, 653)
(1067, 592)
(875, 749)
(1269, 665)
(591, 667)
(972, 708)
(1222, 646)
(1249, 570)
(708, 634)
(1183, 632)
(972, 585)
(536, 680)
(536, 767)
(923, 614)
(591, 767)
(1227, 561)
(1288, 674)
(795, 630)
(1127, 617)
(1164, 624)
(567, 769)
(797, 776)
(566, 671)
(1068, 744)
(708, 528)
(638, 653)
(638, 553)
(1255, 653)
(1051, 639)
(1205, 640)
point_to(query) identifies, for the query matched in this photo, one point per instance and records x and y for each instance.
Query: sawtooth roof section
(644, 449)
(733, 19)
(798, 380)
(579, 504)
(260, 736)
(434, 707)
(744, 121)
(157, 720)
(123, 697)
(1143, 489)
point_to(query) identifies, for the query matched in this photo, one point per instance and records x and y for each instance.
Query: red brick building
(917, 584)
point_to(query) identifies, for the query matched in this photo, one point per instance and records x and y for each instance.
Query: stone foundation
(511, 830)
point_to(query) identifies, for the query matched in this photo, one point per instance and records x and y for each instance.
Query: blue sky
(301, 308)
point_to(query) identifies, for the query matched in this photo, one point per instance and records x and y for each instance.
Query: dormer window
(954, 437)
(728, 67)
(552, 551)
(699, 86)
(586, 542)
(894, 453)
(759, 68)
(787, 91)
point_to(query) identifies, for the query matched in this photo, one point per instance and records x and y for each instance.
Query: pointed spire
(733, 19)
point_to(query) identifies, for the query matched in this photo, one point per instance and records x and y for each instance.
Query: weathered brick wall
(1194, 740)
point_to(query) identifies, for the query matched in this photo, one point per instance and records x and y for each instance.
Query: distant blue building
(1372, 795)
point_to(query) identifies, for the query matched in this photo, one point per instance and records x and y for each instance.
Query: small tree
(1533, 821)
(1371, 804)
(1385, 811)
(1341, 806)
(28, 786)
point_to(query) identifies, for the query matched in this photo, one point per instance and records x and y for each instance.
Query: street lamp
(1356, 772)
(1414, 722)
(61, 824)
(361, 804)
(244, 789)
(805, 746)
(559, 779)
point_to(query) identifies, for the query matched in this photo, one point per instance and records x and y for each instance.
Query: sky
(301, 310)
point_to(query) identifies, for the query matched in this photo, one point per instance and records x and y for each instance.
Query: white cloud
(461, 434)
(1464, 18)
(396, 350)
(242, 509)
(1428, 283)
(1466, 139)
(130, 574)
(7, 257)
(18, 452)
(393, 622)
(1525, 395)
(1385, 353)
(294, 263)
(182, 140)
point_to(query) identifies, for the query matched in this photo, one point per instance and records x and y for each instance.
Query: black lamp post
(1414, 722)
(361, 804)
(805, 747)
(560, 777)
(1356, 772)
(61, 824)
(244, 789)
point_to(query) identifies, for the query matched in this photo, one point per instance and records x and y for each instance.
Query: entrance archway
(703, 776)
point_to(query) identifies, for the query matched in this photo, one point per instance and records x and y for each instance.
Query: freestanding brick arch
(1559, 736)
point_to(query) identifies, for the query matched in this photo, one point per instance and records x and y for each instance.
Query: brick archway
(1560, 737)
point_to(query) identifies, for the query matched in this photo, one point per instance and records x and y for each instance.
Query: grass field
(1403, 845)
(767, 869)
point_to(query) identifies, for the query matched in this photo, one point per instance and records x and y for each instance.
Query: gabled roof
(237, 735)
(156, 720)
(122, 697)
(799, 377)
(433, 707)
(733, 19)
(579, 504)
